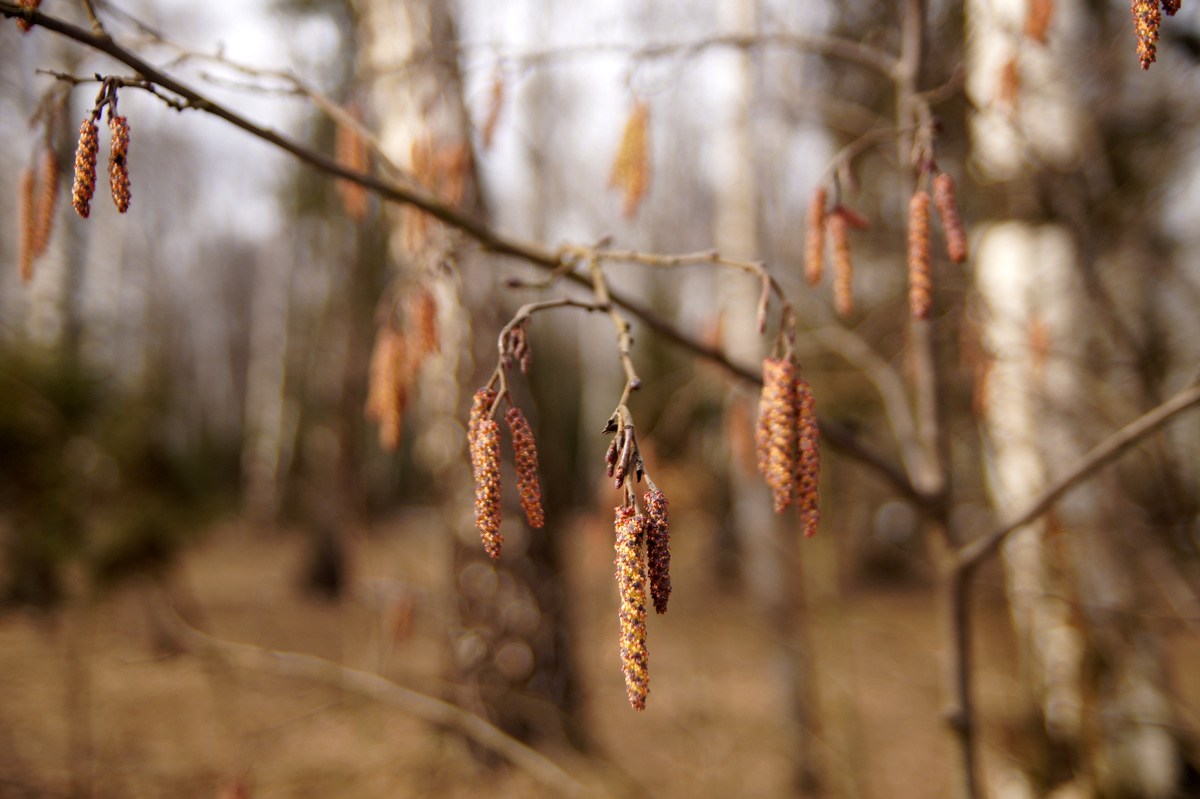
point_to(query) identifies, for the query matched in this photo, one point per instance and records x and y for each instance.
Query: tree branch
(426, 708)
(970, 555)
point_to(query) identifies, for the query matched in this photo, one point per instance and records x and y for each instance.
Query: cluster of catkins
(636, 531)
(483, 438)
(839, 221)
(1146, 21)
(85, 163)
(786, 441)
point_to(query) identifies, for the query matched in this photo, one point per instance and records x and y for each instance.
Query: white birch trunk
(1112, 728)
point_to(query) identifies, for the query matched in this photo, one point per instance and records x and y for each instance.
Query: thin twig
(426, 708)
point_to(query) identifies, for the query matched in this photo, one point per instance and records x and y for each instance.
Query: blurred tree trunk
(509, 655)
(1098, 712)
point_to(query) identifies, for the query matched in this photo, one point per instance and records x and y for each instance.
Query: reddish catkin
(26, 221)
(920, 272)
(843, 266)
(85, 168)
(481, 408)
(777, 409)
(24, 26)
(1171, 6)
(658, 548)
(485, 454)
(814, 237)
(46, 201)
(631, 581)
(118, 163)
(808, 468)
(1146, 21)
(526, 458)
(945, 200)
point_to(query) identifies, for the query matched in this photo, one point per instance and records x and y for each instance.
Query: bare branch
(972, 554)
(426, 708)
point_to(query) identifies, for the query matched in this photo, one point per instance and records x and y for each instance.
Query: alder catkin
(1146, 22)
(118, 164)
(423, 321)
(920, 272)
(777, 411)
(485, 454)
(85, 168)
(814, 237)
(631, 581)
(843, 266)
(526, 458)
(808, 469)
(1171, 6)
(658, 548)
(25, 212)
(46, 201)
(945, 200)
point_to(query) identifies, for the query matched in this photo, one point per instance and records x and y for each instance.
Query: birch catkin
(843, 266)
(631, 581)
(920, 273)
(85, 168)
(808, 467)
(526, 461)
(118, 166)
(814, 237)
(658, 548)
(946, 202)
(777, 415)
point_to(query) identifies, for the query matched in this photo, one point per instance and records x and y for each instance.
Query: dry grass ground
(90, 707)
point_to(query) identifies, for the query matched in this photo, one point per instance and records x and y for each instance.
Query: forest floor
(91, 705)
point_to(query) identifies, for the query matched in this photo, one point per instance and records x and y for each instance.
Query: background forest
(238, 544)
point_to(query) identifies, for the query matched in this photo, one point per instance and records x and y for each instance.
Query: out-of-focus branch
(426, 708)
(970, 555)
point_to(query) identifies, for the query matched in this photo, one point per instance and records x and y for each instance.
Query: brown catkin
(526, 458)
(658, 548)
(26, 224)
(1146, 21)
(85, 168)
(485, 454)
(24, 26)
(423, 321)
(814, 237)
(777, 410)
(945, 200)
(46, 201)
(118, 162)
(631, 581)
(808, 468)
(387, 385)
(1171, 6)
(843, 266)
(920, 272)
